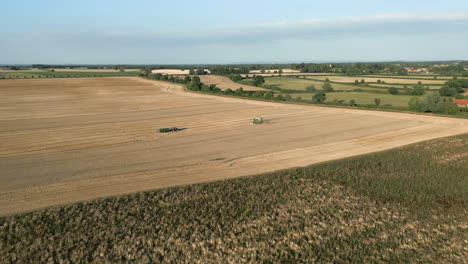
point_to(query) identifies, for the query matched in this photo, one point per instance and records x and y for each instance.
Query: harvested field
(66, 140)
(171, 71)
(94, 70)
(71, 70)
(66, 74)
(225, 83)
(174, 71)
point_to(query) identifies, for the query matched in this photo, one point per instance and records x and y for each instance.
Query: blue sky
(208, 31)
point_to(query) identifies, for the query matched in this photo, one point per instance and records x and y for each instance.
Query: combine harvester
(258, 120)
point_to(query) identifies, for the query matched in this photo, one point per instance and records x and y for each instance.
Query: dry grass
(171, 71)
(174, 71)
(225, 83)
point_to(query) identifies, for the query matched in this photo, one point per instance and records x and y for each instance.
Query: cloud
(238, 40)
(343, 27)
(311, 29)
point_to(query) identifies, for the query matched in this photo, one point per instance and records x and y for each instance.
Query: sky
(216, 31)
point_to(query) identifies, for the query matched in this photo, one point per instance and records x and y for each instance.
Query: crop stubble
(68, 140)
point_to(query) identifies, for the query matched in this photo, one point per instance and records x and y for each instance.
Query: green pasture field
(292, 83)
(411, 77)
(400, 101)
(346, 80)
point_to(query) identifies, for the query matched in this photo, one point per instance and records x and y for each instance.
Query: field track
(68, 140)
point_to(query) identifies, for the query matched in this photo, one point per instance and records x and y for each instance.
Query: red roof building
(461, 102)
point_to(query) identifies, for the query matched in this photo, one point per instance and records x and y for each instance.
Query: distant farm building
(461, 102)
(417, 70)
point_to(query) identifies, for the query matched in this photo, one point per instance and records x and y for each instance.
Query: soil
(68, 140)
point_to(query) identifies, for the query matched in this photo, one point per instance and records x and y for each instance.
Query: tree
(356, 82)
(205, 88)
(429, 102)
(262, 71)
(146, 71)
(196, 79)
(352, 102)
(187, 79)
(402, 71)
(433, 102)
(200, 72)
(448, 91)
(310, 89)
(448, 107)
(269, 95)
(456, 85)
(239, 91)
(319, 97)
(418, 89)
(392, 90)
(413, 104)
(327, 87)
(258, 94)
(195, 84)
(235, 77)
(288, 97)
(279, 97)
(377, 101)
(280, 71)
(258, 80)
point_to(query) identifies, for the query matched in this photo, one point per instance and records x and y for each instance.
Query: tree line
(432, 102)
